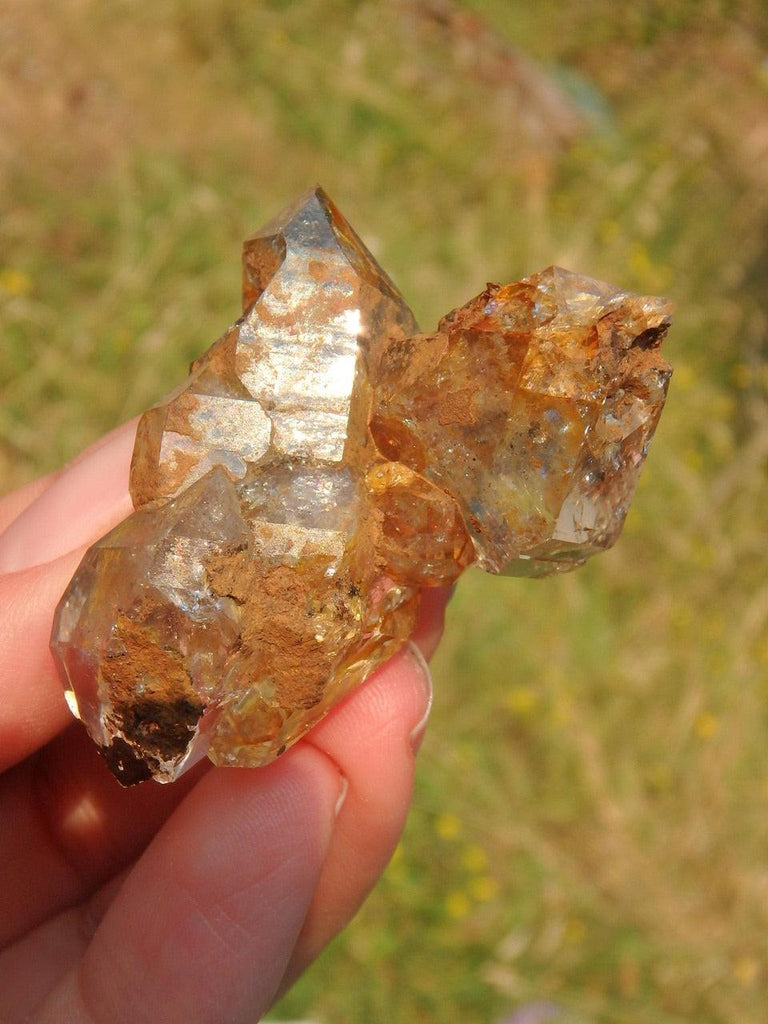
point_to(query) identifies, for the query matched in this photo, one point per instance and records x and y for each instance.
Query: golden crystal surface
(323, 462)
(532, 406)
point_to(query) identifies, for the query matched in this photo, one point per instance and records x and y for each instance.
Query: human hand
(195, 902)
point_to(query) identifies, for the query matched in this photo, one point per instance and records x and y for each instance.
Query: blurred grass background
(590, 825)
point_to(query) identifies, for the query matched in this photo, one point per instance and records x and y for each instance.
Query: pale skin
(195, 902)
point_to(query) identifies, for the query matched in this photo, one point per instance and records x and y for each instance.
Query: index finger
(32, 706)
(75, 506)
(39, 552)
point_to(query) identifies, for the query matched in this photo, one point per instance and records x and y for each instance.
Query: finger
(32, 967)
(429, 628)
(74, 827)
(80, 505)
(372, 739)
(32, 705)
(13, 504)
(390, 709)
(205, 923)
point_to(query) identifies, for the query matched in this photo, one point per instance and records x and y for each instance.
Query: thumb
(203, 927)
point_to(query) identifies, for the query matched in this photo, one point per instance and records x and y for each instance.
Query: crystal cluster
(322, 462)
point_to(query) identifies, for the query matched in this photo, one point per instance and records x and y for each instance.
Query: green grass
(591, 817)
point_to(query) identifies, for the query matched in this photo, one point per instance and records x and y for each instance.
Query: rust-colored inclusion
(320, 465)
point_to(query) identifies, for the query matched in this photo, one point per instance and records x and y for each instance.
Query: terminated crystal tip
(323, 462)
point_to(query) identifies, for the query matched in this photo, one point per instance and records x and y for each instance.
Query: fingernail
(343, 790)
(417, 733)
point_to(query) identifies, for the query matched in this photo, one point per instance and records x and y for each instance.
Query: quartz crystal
(532, 406)
(322, 462)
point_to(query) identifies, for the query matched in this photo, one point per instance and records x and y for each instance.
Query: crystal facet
(321, 463)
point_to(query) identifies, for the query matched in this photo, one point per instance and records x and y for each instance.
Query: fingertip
(378, 718)
(429, 628)
(372, 738)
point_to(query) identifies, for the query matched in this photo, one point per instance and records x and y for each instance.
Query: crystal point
(323, 462)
